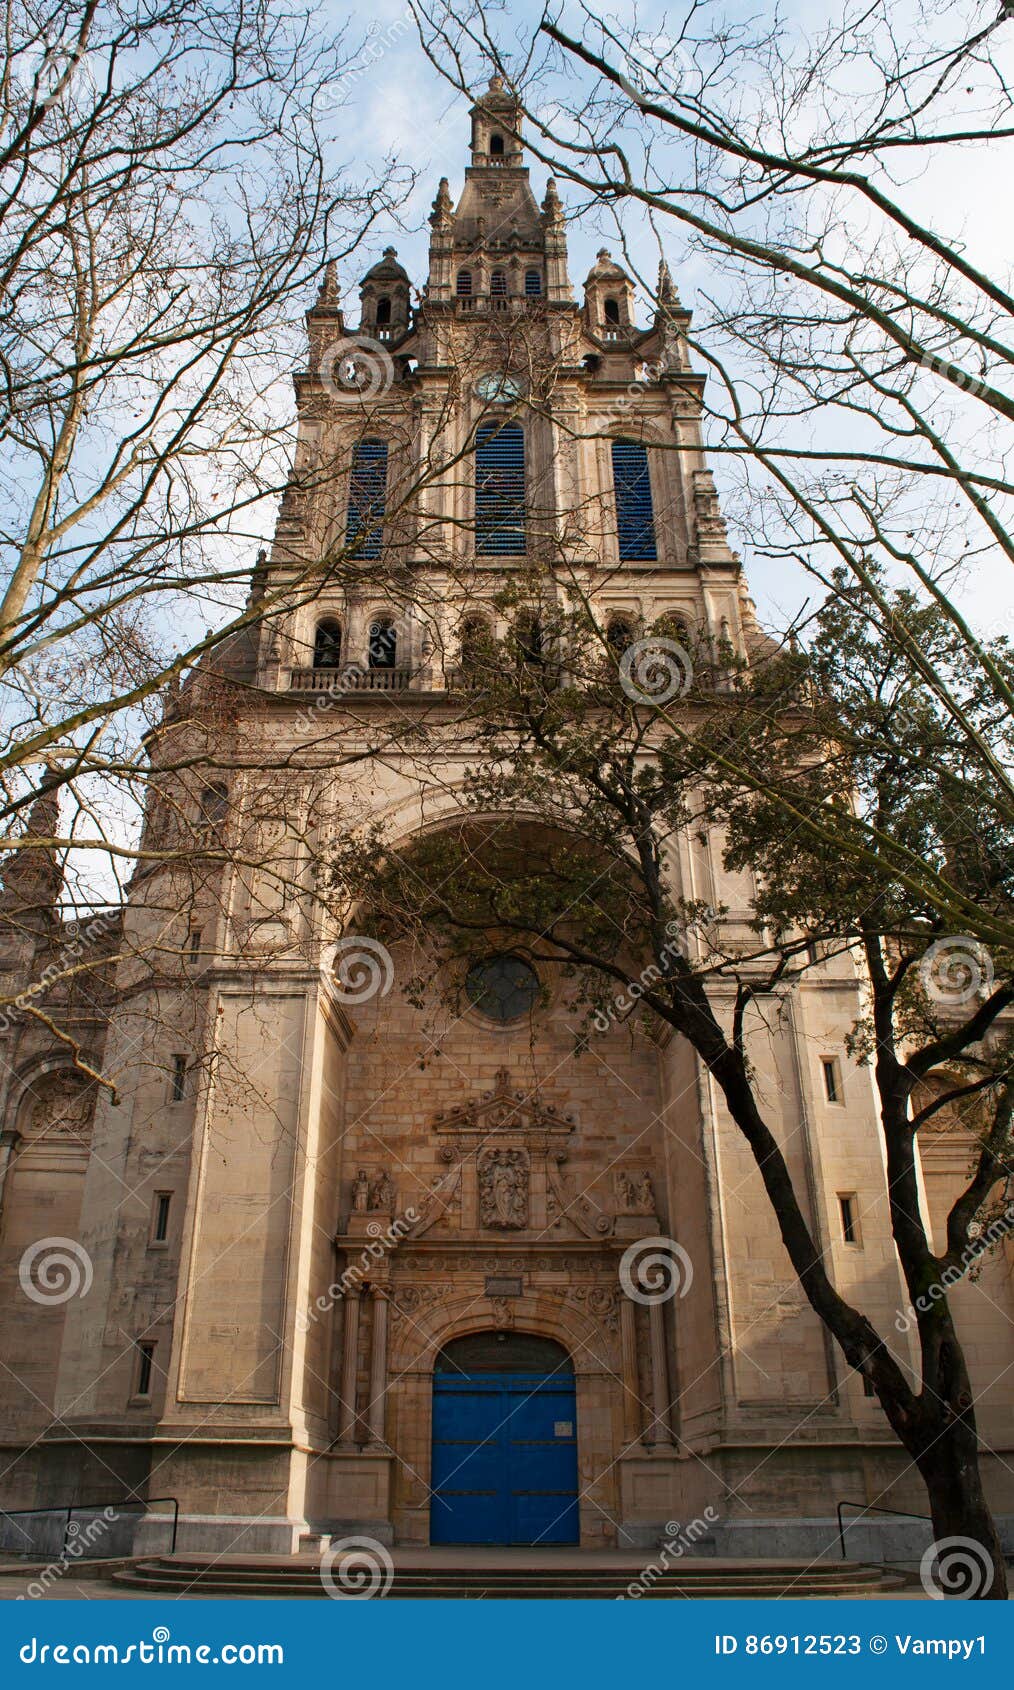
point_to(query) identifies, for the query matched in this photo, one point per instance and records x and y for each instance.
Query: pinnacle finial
(667, 294)
(328, 294)
(443, 205)
(551, 205)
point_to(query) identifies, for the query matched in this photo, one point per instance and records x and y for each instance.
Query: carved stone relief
(62, 1108)
(503, 1189)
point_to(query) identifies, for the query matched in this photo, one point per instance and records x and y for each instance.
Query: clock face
(496, 388)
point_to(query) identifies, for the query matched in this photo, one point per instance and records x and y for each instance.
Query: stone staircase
(512, 1576)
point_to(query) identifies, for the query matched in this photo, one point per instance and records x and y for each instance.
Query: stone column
(350, 1368)
(378, 1368)
(661, 1432)
(8, 1141)
(628, 1373)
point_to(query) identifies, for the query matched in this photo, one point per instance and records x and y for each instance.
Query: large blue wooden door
(504, 1458)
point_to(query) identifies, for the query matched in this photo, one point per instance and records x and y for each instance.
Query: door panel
(504, 1459)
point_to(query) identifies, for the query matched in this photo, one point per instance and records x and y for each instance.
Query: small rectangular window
(832, 1078)
(195, 943)
(145, 1363)
(179, 1079)
(849, 1217)
(160, 1217)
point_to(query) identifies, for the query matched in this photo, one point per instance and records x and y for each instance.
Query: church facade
(344, 1261)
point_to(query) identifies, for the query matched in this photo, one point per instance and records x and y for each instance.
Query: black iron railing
(871, 1508)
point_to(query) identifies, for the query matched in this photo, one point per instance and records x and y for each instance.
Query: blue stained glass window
(499, 490)
(635, 521)
(367, 495)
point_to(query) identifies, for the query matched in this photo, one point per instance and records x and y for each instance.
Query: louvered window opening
(499, 491)
(533, 282)
(367, 494)
(635, 521)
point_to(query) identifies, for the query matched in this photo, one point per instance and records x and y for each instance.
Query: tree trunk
(969, 1561)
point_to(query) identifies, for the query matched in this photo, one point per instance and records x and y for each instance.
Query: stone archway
(504, 1468)
(427, 1319)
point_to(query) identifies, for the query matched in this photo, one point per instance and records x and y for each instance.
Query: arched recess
(424, 1324)
(44, 1269)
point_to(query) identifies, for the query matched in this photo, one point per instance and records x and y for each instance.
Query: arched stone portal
(504, 1443)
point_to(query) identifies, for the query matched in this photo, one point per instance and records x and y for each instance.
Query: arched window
(464, 283)
(498, 284)
(327, 645)
(619, 634)
(475, 643)
(212, 809)
(635, 522)
(533, 282)
(673, 626)
(383, 310)
(496, 146)
(383, 652)
(612, 310)
(529, 636)
(367, 492)
(499, 490)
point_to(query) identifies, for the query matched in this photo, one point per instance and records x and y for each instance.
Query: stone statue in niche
(634, 1199)
(382, 1193)
(626, 1196)
(361, 1192)
(503, 1189)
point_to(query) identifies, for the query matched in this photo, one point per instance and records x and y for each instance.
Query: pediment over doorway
(505, 1109)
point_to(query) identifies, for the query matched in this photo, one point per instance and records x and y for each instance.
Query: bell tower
(497, 246)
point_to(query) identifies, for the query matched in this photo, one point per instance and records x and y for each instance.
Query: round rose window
(503, 987)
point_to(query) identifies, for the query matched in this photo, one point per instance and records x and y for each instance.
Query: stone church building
(346, 1260)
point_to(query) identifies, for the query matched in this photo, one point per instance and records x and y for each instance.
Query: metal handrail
(873, 1508)
(93, 1507)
